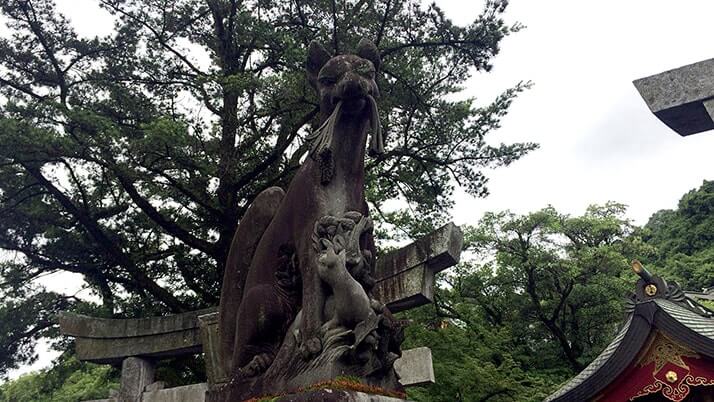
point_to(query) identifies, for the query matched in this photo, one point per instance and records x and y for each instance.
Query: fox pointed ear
(367, 50)
(317, 56)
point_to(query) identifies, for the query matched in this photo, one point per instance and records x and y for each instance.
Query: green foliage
(475, 361)
(565, 273)
(540, 297)
(25, 316)
(684, 239)
(707, 303)
(129, 160)
(68, 381)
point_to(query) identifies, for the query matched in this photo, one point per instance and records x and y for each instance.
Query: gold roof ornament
(671, 376)
(640, 270)
(651, 290)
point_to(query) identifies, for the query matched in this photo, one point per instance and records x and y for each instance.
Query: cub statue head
(346, 89)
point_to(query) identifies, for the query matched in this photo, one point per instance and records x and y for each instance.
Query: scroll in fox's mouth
(322, 137)
(353, 105)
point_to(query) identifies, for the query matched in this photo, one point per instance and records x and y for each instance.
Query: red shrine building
(663, 353)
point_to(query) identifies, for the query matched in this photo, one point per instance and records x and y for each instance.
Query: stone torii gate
(682, 98)
(405, 280)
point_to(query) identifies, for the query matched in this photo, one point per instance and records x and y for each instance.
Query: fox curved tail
(248, 234)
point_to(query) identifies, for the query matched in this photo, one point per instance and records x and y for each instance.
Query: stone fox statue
(272, 268)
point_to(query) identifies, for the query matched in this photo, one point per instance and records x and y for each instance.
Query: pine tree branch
(111, 248)
(169, 226)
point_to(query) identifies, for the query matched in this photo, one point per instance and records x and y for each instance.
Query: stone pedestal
(323, 395)
(136, 374)
(186, 393)
(329, 395)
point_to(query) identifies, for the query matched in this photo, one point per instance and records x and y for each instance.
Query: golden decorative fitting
(671, 376)
(637, 266)
(663, 350)
(650, 290)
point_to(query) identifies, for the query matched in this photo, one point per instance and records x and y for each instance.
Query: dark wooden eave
(678, 317)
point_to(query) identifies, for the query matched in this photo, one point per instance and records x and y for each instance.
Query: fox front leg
(313, 302)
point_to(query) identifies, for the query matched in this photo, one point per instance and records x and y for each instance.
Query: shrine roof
(655, 306)
(600, 361)
(695, 322)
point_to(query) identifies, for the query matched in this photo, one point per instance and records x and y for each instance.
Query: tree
(130, 159)
(684, 239)
(564, 272)
(540, 297)
(25, 316)
(68, 381)
(474, 360)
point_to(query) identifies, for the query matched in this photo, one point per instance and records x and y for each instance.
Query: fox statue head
(346, 88)
(349, 78)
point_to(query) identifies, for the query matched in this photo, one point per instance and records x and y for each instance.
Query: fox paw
(310, 348)
(258, 365)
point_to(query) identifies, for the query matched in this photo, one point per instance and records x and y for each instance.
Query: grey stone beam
(682, 98)
(405, 277)
(102, 340)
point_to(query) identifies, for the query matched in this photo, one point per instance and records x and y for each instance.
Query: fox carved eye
(366, 70)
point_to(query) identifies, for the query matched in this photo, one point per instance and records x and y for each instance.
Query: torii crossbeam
(682, 98)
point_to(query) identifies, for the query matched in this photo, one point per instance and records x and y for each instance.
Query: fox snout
(352, 86)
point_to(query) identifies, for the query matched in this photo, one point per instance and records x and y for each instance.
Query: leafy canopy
(683, 239)
(540, 296)
(68, 381)
(129, 159)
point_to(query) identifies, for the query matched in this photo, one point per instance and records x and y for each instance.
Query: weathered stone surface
(155, 386)
(102, 340)
(405, 277)
(318, 240)
(187, 393)
(329, 395)
(91, 327)
(248, 234)
(408, 289)
(709, 106)
(415, 367)
(439, 250)
(211, 338)
(681, 98)
(114, 350)
(136, 374)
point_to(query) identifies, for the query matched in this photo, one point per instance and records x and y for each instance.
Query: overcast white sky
(598, 139)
